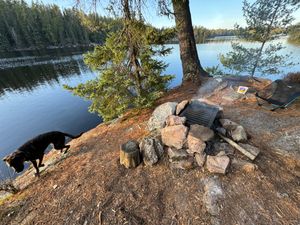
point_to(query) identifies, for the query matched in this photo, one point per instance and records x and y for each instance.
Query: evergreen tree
(130, 75)
(263, 18)
(42, 26)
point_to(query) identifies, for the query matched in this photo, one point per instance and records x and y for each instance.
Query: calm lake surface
(33, 101)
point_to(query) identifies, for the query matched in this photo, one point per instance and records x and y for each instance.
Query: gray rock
(213, 194)
(228, 124)
(221, 130)
(195, 145)
(181, 106)
(160, 114)
(234, 130)
(151, 150)
(227, 148)
(175, 120)
(201, 132)
(176, 155)
(184, 164)
(174, 136)
(217, 164)
(200, 159)
(238, 134)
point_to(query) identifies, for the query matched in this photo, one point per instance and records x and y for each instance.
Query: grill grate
(200, 113)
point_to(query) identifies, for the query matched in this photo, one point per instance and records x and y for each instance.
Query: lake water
(33, 101)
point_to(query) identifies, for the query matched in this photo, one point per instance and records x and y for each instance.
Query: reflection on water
(27, 78)
(32, 101)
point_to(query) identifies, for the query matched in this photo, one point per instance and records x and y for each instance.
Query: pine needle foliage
(264, 20)
(130, 73)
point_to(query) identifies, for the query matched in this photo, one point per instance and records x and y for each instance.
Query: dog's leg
(40, 161)
(36, 168)
(67, 148)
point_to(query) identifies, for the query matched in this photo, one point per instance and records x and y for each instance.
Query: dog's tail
(72, 136)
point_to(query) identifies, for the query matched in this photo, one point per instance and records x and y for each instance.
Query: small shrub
(293, 77)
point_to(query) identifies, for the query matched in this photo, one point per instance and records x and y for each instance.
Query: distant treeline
(294, 34)
(203, 34)
(44, 26)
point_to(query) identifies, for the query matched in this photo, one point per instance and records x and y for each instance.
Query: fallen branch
(239, 148)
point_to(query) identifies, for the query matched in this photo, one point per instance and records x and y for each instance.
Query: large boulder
(151, 150)
(174, 136)
(175, 120)
(217, 164)
(201, 132)
(160, 114)
(181, 106)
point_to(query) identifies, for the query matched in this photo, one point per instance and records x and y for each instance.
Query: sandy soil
(88, 186)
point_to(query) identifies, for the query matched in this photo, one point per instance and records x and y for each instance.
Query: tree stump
(130, 154)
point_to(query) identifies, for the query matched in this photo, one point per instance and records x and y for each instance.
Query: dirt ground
(88, 185)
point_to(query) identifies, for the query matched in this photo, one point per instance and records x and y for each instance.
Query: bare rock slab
(181, 106)
(160, 114)
(174, 136)
(213, 195)
(201, 132)
(173, 120)
(217, 164)
(151, 150)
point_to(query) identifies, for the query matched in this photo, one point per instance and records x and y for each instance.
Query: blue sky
(210, 14)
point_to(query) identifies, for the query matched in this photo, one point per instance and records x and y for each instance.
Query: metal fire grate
(200, 113)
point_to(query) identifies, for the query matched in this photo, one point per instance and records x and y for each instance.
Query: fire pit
(199, 113)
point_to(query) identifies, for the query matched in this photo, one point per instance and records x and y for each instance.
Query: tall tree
(192, 69)
(130, 72)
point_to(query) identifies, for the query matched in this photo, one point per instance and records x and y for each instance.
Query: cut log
(130, 154)
(239, 148)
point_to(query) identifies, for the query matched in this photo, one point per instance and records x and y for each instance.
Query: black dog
(34, 149)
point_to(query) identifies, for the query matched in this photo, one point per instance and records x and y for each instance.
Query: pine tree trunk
(192, 69)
